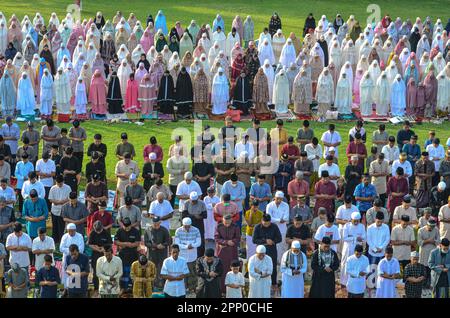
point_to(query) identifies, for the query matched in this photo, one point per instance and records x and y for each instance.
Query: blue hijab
(59, 57)
(160, 22)
(218, 21)
(7, 94)
(34, 36)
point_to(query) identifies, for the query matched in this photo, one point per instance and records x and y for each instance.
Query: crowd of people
(251, 214)
(101, 69)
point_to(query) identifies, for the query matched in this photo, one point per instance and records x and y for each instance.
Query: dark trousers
(20, 197)
(436, 178)
(47, 192)
(58, 226)
(350, 295)
(79, 155)
(168, 296)
(383, 198)
(94, 272)
(173, 189)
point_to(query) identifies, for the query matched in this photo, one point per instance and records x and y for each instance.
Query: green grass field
(292, 14)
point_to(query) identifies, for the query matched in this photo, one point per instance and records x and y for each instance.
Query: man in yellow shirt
(252, 218)
(279, 135)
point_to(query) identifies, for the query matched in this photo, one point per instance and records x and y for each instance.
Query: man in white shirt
(8, 193)
(344, 213)
(174, 270)
(333, 169)
(161, 208)
(71, 237)
(314, 153)
(260, 267)
(331, 138)
(437, 154)
(378, 237)
(188, 239)
(19, 245)
(32, 183)
(357, 268)
(279, 213)
(46, 170)
(330, 230)
(244, 145)
(58, 196)
(391, 152)
(185, 188)
(42, 245)
(109, 271)
(403, 163)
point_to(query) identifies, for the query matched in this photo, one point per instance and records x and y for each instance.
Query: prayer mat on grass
(376, 118)
(348, 116)
(63, 118)
(217, 117)
(289, 115)
(261, 116)
(201, 116)
(98, 117)
(162, 116)
(304, 117)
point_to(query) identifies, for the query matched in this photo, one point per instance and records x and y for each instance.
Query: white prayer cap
(299, 174)
(152, 156)
(356, 216)
(220, 70)
(279, 194)
(331, 149)
(354, 157)
(295, 244)
(193, 195)
(261, 249)
(132, 177)
(188, 175)
(187, 221)
(71, 226)
(442, 185)
(415, 254)
(244, 154)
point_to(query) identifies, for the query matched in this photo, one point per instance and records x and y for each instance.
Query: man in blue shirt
(260, 191)
(23, 168)
(11, 134)
(48, 278)
(412, 150)
(364, 194)
(236, 190)
(77, 269)
(35, 212)
(284, 174)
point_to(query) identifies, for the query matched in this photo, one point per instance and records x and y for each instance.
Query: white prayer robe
(46, 94)
(398, 97)
(263, 36)
(231, 41)
(278, 214)
(278, 40)
(325, 88)
(25, 96)
(209, 222)
(213, 53)
(443, 92)
(382, 95)
(220, 94)
(281, 92)
(266, 53)
(292, 285)
(270, 74)
(366, 89)
(63, 93)
(343, 99)
(386, 288)
(80, 98)
(356, 284)
(260, 287)
(221, 39)
(288, 55)
(350, 235)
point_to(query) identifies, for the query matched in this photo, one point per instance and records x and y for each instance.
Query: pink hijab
(411, 96)
(146, 40)
(97, 94)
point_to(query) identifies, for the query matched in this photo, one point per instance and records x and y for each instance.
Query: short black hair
(175, 247)
(73, 248)
(42, 230)
(48, 258)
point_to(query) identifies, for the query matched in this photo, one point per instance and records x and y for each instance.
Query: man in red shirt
(291, 150)
(325, 192)
(357, 148)
(226, 206)
(153, 147)
(103, 216)
(297, 187)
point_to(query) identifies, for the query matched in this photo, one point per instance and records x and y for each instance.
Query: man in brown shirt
(95, 193)
(379, 170)
(423, 171)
